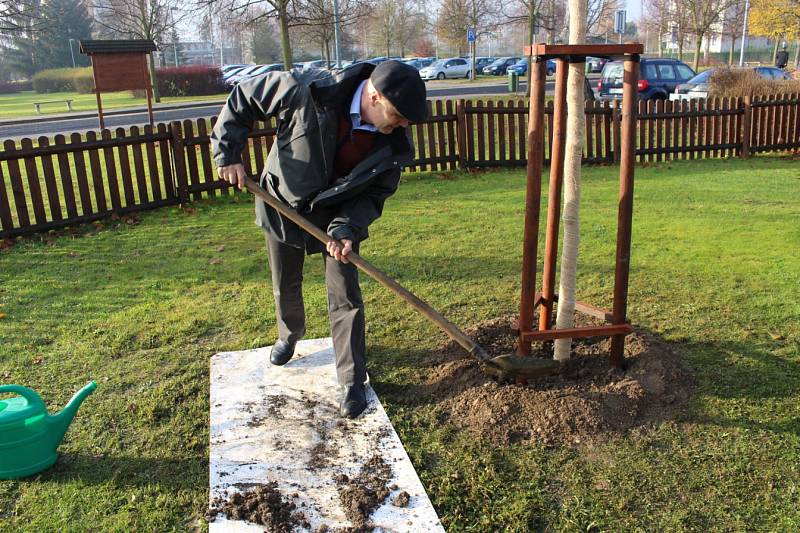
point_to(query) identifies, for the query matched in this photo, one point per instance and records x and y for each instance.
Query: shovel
(507, 366)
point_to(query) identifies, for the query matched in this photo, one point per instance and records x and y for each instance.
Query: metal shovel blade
(512, 366)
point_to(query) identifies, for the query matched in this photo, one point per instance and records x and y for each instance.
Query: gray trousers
(345, 306)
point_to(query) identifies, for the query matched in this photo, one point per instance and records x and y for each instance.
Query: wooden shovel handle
(429, 312)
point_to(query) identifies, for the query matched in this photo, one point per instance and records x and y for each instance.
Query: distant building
(200, 53)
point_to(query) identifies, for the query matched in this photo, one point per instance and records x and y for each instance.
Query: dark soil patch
(586, 401)
(263, 505)
(402, 499)
(363, 494)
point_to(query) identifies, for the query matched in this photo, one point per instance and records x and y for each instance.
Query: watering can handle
(25, 392)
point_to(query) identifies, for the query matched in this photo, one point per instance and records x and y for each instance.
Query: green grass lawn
(21, 104)
(142, 308)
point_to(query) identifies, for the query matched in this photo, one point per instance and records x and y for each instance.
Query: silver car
(454, 67)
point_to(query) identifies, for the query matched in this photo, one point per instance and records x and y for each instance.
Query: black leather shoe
(281, 353)
(354, 401)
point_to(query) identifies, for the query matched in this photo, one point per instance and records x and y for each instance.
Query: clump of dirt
(268, 407)
(402, 499)
(586, 401)
(361, 495)
(263, 505)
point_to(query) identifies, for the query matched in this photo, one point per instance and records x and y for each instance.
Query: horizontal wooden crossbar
(577, 333)
(594, 50)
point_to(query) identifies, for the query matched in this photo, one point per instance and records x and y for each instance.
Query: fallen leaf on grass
(136, 253)
(221, 248)
(216, 261)
(115, 216)
(73, 254)
(776, 336)
(38, 360)
(2, 315)
(6, 375)
(189, 210)
(5, 244)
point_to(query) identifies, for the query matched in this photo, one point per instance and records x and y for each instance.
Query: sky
(634, 9)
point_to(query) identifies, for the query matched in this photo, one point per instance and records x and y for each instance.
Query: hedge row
(10, 87)
(733, 82)
(59, 80)
(199, 80)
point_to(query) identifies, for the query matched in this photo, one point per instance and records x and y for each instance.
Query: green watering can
(28, 435)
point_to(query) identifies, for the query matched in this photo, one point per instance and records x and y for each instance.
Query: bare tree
(457, 16)
(280, 10)
(524, 14)
(19, 16)
(20, 25)
(383, 34)
(552, 18)
(702, 16)
(733, 20)
(600, 16)
(656, 20)
(139, 19)
(314, 21)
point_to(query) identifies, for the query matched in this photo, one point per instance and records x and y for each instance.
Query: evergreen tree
(22, 53)
(264, 45)
(64, 20)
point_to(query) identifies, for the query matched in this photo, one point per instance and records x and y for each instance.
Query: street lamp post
(336, 32)
(72, 53)
(436, 26)
(744, 33)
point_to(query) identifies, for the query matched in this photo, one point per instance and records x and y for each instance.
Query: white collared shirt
(355, 111)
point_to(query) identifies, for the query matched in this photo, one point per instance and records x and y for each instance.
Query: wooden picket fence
(46, 185)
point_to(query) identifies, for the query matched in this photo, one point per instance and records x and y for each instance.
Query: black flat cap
(401, 85)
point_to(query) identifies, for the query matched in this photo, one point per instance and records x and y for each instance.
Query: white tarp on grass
(282, 424)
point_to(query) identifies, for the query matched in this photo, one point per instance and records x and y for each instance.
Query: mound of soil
(263, 505)
(363, 494)
(587, 401)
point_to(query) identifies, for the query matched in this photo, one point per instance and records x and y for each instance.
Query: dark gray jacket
(307, 106)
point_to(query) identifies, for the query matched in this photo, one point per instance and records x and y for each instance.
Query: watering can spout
(60, 422)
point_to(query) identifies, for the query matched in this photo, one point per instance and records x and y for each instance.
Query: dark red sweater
(353, 146)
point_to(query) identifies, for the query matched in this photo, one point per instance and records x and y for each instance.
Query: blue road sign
(470, 35)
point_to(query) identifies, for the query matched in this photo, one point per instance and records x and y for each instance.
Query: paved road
(35, 128)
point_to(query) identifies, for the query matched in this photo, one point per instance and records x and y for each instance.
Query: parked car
(454, 67)
(381, 59)
(318, 63)
(227, 68)
(228, 74)
(499, 66)
(419, 62)
(253, 71)
(658, 77)
(521, 67)
(697, 87)
(595, 64)
(482, 62)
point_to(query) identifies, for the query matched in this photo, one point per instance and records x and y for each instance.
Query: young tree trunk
(730, 52)
(531, 24)
(797, 55)
(576, 124)
(697, 44)
(286, 45)
(152, 67)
